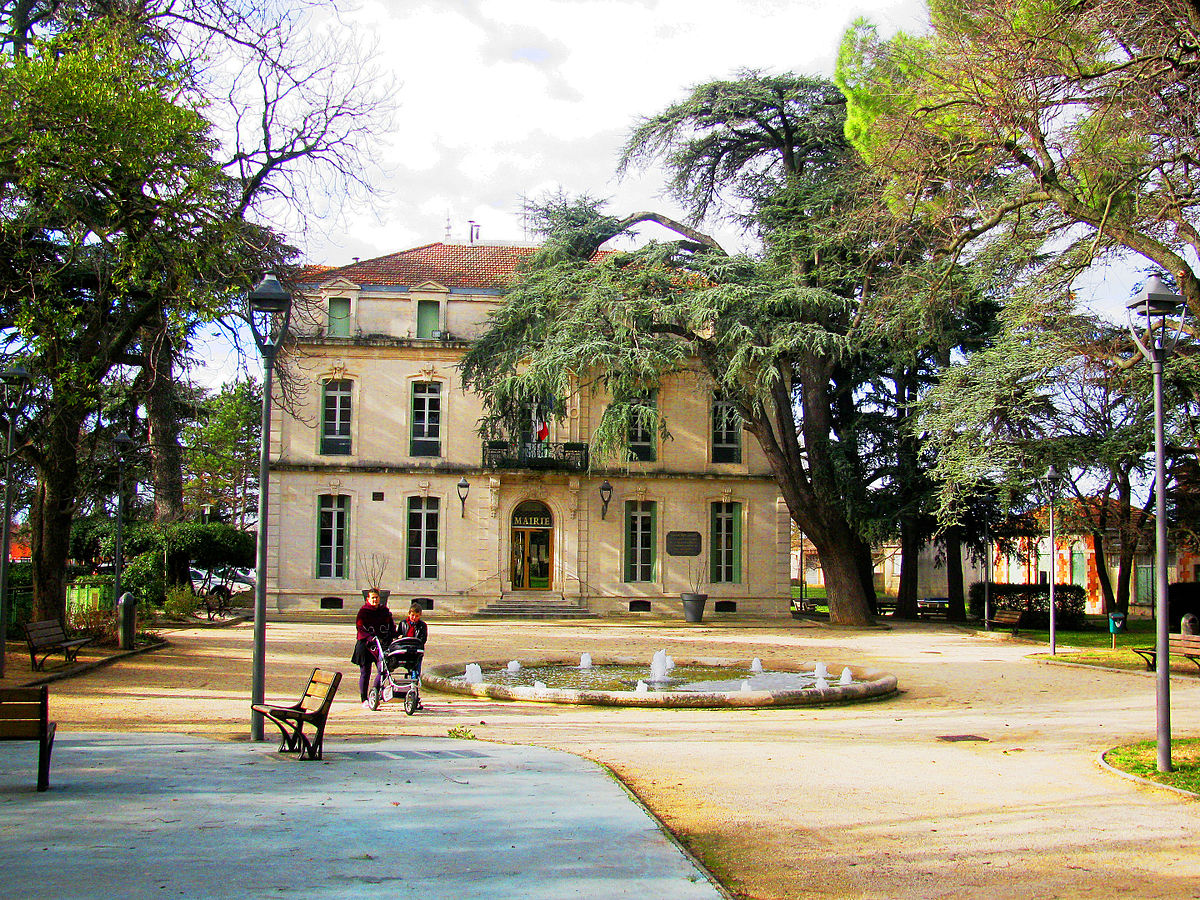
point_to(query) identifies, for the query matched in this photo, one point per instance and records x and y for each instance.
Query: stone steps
(529, 605)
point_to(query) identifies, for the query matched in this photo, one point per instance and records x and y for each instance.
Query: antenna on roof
(474, 230)
(447, 226)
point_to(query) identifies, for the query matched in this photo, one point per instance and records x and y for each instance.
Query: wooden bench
(312, 709)
(50, 637)
(1007, 618)
(24, 716)
(1185, 645)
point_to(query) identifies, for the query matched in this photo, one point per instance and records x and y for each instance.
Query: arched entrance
(532, 547)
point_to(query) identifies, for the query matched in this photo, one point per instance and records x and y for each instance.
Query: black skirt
(362, 655)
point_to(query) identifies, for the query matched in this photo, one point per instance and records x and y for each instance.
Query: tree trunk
(910, 552)
(166, 457)
(954, 576)
(52, 510)
(1108, 602)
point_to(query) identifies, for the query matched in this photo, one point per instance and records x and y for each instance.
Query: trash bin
(1116, 623)
(126, 620)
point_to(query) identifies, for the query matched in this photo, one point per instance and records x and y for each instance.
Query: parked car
(933, 606)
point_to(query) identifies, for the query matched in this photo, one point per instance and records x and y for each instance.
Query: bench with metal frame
(312, 709)
(25, 716)
(1007, 618)
(48, 637)
(1185, 645)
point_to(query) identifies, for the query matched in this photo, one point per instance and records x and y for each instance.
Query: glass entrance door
(531, 559)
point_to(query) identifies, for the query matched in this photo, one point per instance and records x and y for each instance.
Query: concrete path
(160, 815)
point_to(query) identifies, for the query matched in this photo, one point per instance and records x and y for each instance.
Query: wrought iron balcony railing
(568, 457)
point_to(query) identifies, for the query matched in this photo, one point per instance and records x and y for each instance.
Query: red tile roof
(487, 266)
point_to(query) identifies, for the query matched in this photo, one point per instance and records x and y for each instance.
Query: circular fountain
(625, 681)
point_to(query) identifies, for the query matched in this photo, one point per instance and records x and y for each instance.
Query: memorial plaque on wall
(683, 543)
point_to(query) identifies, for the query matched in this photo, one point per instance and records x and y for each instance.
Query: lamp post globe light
(13, 385)
(1156, 303)
(269, 309)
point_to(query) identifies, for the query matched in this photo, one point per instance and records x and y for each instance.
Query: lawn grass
(1141, 759)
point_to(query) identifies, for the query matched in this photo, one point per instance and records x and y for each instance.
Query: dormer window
(339, 317)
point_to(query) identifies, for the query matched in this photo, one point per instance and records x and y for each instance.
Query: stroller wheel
(373, 696)
(410, 702)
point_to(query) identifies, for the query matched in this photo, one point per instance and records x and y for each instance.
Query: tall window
(429, 316)
(725, 544)
(426, 419)
(422, 537)
(642, 442)
(726, 431)
(339, 317)
(335, 417)
(1078, 568)
(333, 527)
(640, 539)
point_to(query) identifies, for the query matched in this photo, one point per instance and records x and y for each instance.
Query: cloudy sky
(500, 99)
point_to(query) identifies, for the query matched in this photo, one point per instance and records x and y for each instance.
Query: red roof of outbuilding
(487, 266)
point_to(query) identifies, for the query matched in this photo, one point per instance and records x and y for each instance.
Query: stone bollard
(126, 620)
(1189, 624)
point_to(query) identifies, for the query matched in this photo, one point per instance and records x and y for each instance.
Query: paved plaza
(980, 779)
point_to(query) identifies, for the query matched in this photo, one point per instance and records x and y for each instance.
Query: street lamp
(1156, 304)
(464, 487)
(123, 444)
(269, 311)
(605, 496)
(13, 383)
(1051, 483)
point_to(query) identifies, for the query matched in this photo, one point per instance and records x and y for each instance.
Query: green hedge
(1070, 602)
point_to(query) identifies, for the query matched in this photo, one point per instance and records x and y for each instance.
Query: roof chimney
(474, 230)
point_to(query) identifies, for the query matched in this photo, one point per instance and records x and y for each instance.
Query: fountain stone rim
(870, 683)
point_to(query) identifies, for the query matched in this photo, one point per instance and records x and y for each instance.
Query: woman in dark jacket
(374, 620)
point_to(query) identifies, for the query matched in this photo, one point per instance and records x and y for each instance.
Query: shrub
(1070, 603)
(181, 602)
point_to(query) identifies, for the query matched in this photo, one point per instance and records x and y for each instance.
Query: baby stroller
(397, 673)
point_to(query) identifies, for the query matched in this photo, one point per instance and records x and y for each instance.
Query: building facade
(377, 465)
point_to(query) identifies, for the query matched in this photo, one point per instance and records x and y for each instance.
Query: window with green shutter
(335, 417)
(339, 317)
(641, 527)
(429, 318)
(725, 543)
(333, 528)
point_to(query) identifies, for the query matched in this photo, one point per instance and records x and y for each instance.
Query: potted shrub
(373, 570)
(694, 599)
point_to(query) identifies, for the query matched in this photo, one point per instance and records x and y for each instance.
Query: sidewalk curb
(1144, 782)
(84, 668)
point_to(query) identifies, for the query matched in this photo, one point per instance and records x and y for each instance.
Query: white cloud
(501, 99)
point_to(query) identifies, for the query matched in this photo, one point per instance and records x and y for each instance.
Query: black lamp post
(605, 495)
(464, 488)
(1156, 304)
(14, 383)
(269, 311)
(1051, 483)
(123, 444)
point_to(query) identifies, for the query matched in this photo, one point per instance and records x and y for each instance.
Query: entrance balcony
(566, 457)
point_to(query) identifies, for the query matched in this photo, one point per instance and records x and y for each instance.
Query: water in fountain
(847, 676)
(821, 684)
(756, 666)
(474, 674)
(661, 666)
(642, 687)
(514, 666)
(746, 686)
(540, 685)
(585, 661)
(821, 671)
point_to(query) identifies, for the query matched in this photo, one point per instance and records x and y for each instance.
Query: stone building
(377, 464)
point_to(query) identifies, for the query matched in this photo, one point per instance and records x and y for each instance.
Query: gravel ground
(980, 779)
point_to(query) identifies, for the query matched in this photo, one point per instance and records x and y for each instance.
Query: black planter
(693, 606)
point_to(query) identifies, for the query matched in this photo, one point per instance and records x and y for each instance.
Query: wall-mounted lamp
(464, 488)
(605, 496)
